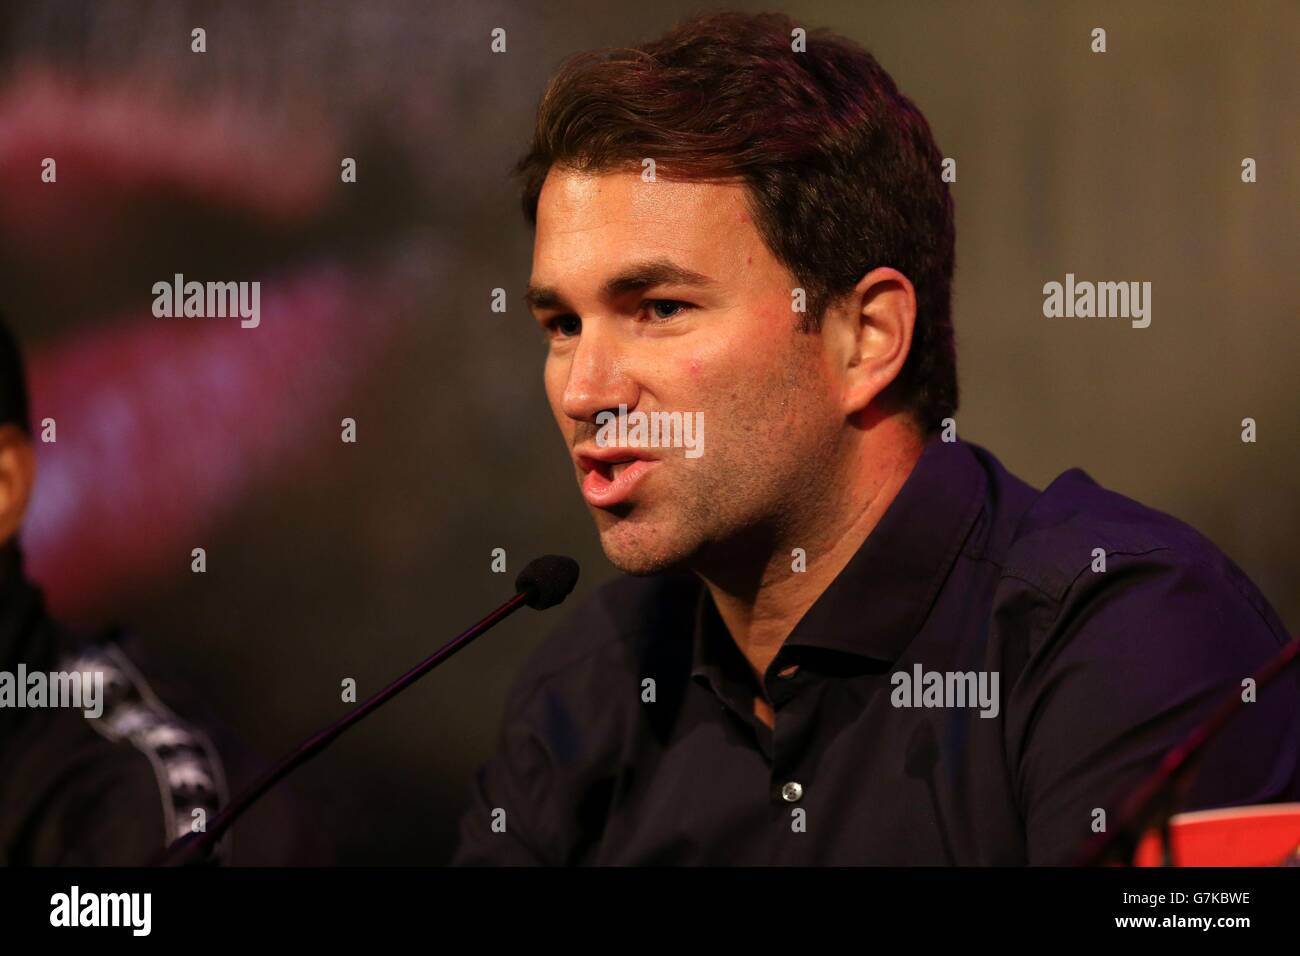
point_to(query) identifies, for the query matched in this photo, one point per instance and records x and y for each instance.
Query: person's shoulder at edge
(1124, 627)
(94, 790)
(114, 789)
(1076, 527)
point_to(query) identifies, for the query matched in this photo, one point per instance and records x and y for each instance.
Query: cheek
(553, 381)
(699, 378)
(700, 381)
(736, 367)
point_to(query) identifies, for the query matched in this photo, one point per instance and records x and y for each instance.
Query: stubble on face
(753, 491)
(771, 423)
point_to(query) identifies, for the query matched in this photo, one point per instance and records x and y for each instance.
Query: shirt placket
(790, 784)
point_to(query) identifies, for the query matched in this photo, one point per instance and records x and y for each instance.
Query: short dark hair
(13, 381)
(841, 170)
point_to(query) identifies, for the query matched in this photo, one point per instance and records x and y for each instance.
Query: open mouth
(610, 470)
(613, 482)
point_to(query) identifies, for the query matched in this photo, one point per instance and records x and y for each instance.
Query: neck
(762, 598)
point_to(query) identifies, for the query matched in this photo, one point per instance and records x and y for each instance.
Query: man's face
(662, 296)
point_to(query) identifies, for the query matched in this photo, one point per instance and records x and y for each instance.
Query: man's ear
(876, 332)
(17, 473)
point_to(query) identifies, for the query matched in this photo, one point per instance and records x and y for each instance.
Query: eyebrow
(637, 278)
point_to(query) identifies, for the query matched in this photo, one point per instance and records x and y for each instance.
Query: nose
(598, 378)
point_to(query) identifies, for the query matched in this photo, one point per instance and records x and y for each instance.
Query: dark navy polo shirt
(973, 688)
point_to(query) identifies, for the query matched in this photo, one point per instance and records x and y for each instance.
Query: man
(102, 773)
(845, 637)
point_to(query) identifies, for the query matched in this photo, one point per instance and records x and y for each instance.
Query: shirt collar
(880, 599)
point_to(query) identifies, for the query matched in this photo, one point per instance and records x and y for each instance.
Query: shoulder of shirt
(186, 767)
(1056, 538)
(621, 623)
(153, 762)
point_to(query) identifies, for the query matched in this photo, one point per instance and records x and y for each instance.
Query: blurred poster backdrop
(328, 559)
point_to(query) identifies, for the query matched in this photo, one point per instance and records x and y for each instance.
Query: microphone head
(547, 580)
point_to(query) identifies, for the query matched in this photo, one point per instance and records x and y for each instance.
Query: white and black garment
(185, 762)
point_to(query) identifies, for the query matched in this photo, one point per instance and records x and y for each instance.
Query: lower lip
(602, 492)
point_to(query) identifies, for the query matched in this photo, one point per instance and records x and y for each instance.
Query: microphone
(547, 580)
(544, 583)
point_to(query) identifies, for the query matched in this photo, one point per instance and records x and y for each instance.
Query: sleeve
(1137, 657)
(507, 821)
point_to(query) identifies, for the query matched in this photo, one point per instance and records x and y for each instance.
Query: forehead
(602, 220)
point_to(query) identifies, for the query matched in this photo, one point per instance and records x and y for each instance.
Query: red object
(1235, 836)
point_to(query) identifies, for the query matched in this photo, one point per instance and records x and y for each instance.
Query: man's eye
(564, 325)
(666, 308)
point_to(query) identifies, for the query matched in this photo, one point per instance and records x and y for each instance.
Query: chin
(639, 550)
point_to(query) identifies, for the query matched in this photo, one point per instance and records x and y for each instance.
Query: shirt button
(792, 792)
(788, 672)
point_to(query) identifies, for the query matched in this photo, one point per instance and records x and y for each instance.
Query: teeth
(616, 468)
